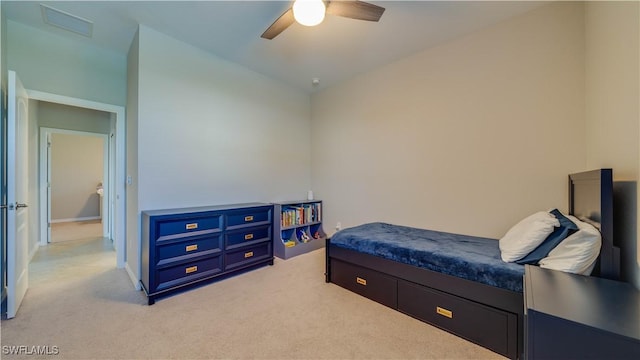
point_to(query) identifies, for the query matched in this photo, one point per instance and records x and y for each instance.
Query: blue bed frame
(487, 315)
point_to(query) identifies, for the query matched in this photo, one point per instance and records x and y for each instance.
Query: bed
(460, 283)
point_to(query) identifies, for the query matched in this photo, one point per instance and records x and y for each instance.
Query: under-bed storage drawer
(481, 324)
(366, 282)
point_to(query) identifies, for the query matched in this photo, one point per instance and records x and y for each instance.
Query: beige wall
(67, 117)
(613, 113)
(228, 134)
(467, 137)
(77, 167)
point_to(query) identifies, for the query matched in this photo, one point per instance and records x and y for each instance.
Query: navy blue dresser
(185, 247)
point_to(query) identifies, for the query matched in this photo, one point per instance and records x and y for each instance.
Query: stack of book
(301, 215)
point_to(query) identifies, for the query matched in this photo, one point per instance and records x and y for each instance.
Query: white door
(17, 215)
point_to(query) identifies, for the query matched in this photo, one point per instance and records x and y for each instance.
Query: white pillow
(578, 252)
(526, 235)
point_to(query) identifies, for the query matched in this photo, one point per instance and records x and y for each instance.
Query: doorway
(114, 191)
(75, 168)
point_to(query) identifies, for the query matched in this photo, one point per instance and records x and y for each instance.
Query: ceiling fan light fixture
(309, 12)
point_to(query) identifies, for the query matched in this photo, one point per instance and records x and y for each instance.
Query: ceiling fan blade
(355, 10)
(278, 26)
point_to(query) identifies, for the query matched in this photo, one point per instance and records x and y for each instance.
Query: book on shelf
(301, 214)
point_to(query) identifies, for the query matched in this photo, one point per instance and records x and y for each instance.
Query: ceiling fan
(314, 10)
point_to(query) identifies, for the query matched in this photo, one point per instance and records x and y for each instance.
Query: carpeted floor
(75, 230)
(82, 307)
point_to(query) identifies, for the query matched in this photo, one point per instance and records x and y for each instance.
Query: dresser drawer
(475, 322)
(366, 282)
(194, 247)
(167, 228)
(247, 255)
(248, 216)
(188, 272)
(246, 236)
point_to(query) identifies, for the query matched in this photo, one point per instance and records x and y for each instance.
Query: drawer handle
(248, 254)
(248, 237)
(248, 218)
(444, 312)
(191, 247)
(361, 281)
(190, 269)
(192, 226)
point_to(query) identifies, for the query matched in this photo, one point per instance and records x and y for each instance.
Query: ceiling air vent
(66, 21)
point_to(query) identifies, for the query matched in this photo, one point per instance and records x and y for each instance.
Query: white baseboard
(88, 218)
(133, 277)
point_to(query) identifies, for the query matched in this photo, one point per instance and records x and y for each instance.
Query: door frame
(45, 177)
(118, 185)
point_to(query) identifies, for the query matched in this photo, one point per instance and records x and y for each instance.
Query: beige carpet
(85, 307)
(75, 230)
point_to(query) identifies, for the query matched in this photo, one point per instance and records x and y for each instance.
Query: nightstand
(570, 316)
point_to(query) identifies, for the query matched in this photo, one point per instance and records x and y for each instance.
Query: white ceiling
(335, 50)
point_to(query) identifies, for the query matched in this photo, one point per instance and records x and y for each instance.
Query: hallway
(70, 261)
